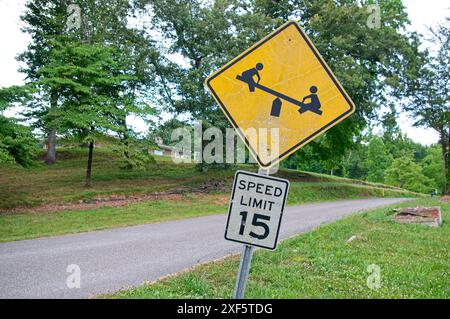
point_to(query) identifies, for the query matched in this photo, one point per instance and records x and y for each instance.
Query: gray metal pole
(244, 270)
(246, 260)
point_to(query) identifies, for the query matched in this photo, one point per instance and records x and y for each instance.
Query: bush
(17, 143)
(405, 173)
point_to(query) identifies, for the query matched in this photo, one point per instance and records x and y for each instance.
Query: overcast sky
(422, 13)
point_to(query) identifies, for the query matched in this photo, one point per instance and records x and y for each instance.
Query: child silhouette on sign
(314, 104)
(248, 76)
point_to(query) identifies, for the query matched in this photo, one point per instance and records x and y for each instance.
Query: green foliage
(378, 159)
(92, 85)
(430, 105)
(43, 20)
(135, 155)
(13, 94)
(206, 35)
(307, 159)
(433, 167)
(405, 173)
(374, 65)
(164, 131)
(86, 82)
(372, 156)
(17, 144)
(61, 68)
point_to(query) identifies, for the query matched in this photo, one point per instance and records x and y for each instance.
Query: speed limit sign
(256, 207)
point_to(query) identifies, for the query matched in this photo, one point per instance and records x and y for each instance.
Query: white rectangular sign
(256, 207)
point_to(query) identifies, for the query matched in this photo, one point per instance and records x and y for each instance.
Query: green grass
(32, 225)
(63, 183)
(413, 260)
(27, 226)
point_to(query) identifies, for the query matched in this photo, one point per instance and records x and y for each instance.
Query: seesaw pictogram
(248, 77)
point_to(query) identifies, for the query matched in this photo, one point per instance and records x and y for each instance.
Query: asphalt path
(112, 259)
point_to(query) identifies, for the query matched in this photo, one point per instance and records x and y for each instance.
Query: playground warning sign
(280, 82)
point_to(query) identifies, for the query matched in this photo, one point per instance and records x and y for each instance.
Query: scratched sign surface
(280, 82)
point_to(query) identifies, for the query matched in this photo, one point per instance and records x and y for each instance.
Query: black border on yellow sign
(324, 65)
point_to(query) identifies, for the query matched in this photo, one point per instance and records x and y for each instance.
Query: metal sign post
(246, 261)
(244, 270)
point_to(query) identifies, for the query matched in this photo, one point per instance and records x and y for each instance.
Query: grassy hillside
(50, 200)
(61, 183)
(412, 259)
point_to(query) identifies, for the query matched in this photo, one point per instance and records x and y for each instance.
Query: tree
(17, 144)
(205, 35)
(432, 167)
(111, 22)
(405, 173)
(378, 159)
(431, 105)
(43, 20)
(102, 22)
(374, 65)
(93, 82)
(355, 163)
(400, 143)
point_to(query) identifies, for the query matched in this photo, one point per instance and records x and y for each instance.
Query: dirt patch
(219, 199)
(218, 185)
(111, 201)
(118, 200)
(445, 199)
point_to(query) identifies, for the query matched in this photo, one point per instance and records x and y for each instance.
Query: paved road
(123, 257)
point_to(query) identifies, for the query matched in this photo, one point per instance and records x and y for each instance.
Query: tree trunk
(50, 156)
(447, 177)
(88, 182)
(125, 138)
(444, 141)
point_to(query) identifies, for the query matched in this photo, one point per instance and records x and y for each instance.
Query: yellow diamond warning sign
(281, 88)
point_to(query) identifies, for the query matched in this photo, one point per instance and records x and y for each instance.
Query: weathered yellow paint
(291, 66)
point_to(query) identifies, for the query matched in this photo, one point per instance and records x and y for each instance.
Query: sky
(422, 13)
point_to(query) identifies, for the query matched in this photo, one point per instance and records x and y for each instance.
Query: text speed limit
(256, 207)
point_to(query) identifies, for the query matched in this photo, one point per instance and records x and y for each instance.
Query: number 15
(255, 222)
